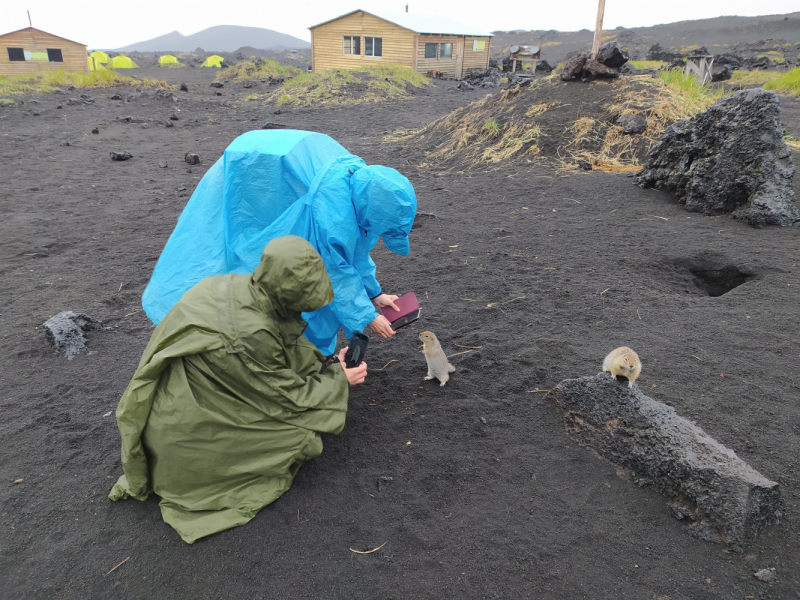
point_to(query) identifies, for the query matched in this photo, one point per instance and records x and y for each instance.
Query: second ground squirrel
(623, 361)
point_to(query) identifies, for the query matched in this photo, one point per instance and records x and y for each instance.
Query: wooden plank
(598, 29)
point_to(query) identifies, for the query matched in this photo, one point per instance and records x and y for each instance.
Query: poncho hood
(385, 205)
(292, 275)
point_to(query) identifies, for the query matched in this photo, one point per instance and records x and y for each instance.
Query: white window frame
(373, 38)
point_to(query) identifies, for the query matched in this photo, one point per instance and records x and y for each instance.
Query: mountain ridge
(219, 38)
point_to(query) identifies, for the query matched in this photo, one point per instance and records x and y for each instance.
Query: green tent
(99, 59)
(168, 59)
(228, 400)
(213, 61)
(123, 62)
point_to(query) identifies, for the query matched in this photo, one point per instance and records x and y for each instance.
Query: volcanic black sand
(473, 490)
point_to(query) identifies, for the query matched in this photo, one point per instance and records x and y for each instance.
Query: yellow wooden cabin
(424, 43)
(30, 51)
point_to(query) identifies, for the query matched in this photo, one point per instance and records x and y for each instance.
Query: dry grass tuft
(581, 128)
(537, 109)
(498, 128)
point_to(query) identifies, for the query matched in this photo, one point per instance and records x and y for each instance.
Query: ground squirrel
(438, 366)
(623, 361)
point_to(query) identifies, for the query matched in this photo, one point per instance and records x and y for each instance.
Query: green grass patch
(341, 86)
(492, 127)
(683, 96)
(788, 82)
(47, 81)
(774, 56)
(647, 64)
(257, 69)
(753, 77)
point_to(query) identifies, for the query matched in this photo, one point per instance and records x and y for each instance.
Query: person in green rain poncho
(228, 399)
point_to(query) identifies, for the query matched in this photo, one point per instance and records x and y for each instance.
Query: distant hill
(746, 35)
(222, 38)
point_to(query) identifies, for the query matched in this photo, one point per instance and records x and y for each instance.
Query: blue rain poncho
(270, 184)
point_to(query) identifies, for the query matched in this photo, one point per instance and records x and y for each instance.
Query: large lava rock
(657, 52)
(65, 332)
(573, 67)
(611, 55)
(731, 158)
(723, 498)
(721, 72)
(595, 68)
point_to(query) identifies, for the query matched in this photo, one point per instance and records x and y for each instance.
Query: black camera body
(356, 351)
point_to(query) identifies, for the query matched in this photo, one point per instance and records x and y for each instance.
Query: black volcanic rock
(611, 55)
(723, 498)
(731, 158)
(573, 67)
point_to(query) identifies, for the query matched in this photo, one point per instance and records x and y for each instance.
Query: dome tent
(167, 59)
(98, 59)
(122, 62)
(213, 61)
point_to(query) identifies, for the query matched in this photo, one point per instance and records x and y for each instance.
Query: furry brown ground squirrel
(438, 366)
(623, 361)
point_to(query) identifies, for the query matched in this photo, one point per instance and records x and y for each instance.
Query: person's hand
(386, 300)
(355, 375)
(382, 327)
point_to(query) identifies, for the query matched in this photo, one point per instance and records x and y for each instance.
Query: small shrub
(492, 127)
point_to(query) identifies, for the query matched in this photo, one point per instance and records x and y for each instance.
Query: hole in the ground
(718, 281)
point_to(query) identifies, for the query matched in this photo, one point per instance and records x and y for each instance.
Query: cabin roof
(430, 24)
(2, 35)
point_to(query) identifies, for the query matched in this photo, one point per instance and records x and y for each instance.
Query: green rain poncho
(228, 400)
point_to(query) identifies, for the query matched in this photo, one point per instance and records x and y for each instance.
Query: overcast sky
(104, 24)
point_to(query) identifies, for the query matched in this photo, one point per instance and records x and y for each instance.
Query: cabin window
(430, 50)
(16, 54)
(373, 46)
(351, 45)
(446, 50)
(478, 45)
(54, 55)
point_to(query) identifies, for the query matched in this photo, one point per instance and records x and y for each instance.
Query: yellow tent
(100, 59)
(168, 59)
(213, 61)
(123, 62)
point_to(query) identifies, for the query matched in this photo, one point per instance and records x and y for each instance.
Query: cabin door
(459, 47)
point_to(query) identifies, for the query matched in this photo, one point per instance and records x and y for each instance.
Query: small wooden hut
(423, 43)
(30, 51)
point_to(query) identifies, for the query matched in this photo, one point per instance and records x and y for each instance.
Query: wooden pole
(598, 29)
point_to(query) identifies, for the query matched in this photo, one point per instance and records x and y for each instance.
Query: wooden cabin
(423, 43)
(30, 51)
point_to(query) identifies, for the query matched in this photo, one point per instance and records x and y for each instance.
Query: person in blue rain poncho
(270, 184)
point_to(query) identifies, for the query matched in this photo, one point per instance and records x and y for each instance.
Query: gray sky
(100, 24)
